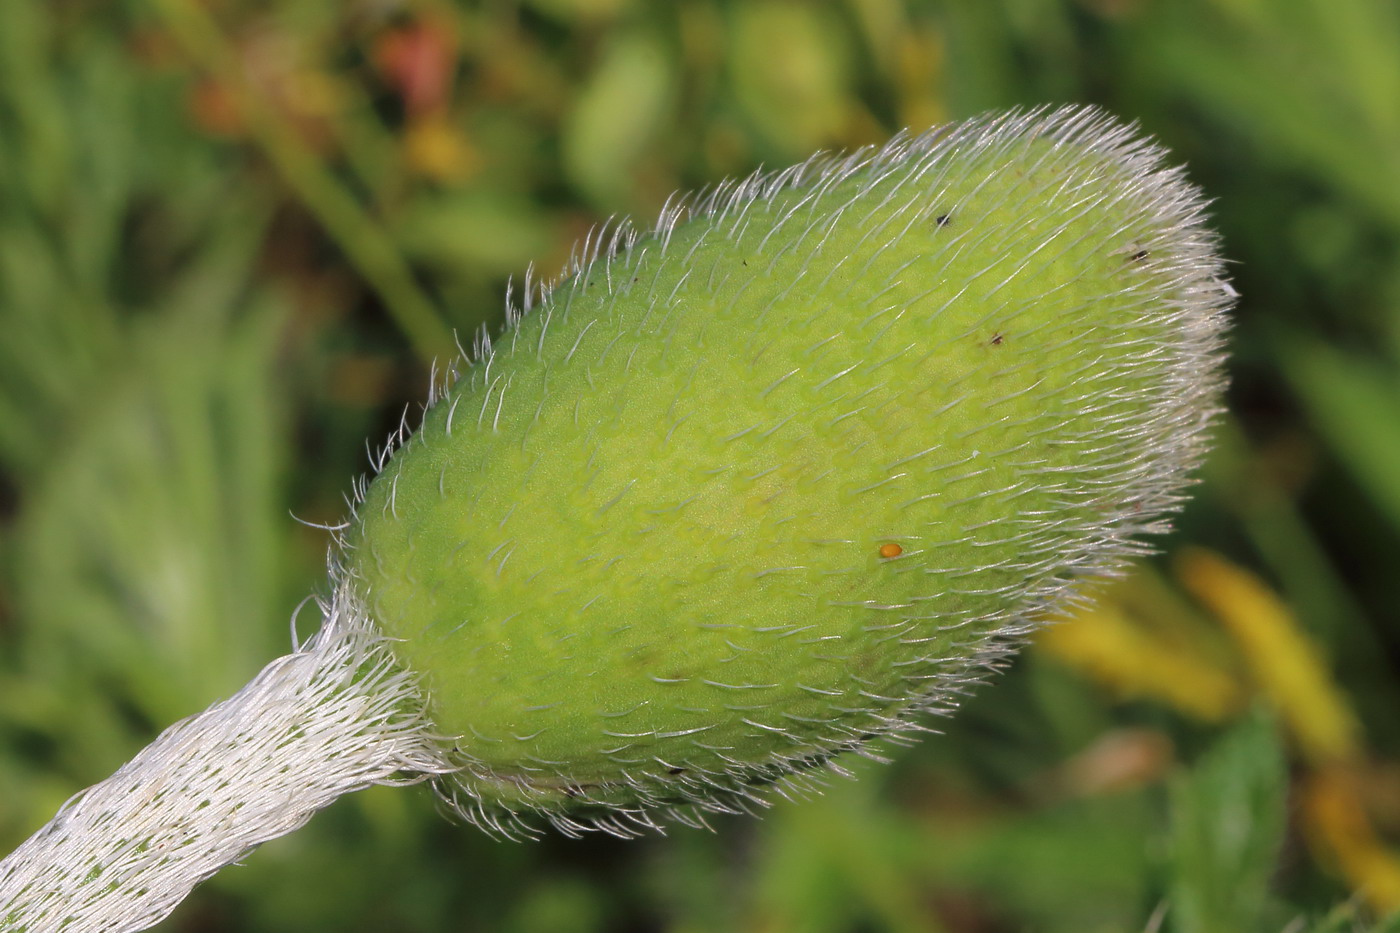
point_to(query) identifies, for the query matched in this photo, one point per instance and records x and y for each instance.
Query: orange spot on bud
(890, 550)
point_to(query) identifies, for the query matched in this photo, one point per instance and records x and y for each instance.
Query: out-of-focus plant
(217, 221)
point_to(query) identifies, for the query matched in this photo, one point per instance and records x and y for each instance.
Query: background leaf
(1228, 823)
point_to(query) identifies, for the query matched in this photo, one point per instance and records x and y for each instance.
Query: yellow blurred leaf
(1337, 825)
(1283, 661)
(1135, 663)
(439, 150)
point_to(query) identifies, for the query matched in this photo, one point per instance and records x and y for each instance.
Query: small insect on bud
(629, 552)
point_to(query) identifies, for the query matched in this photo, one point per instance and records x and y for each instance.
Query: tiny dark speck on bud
(943, 219)
(997, 339)
(1140, 255)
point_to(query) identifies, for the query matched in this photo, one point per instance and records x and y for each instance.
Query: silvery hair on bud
(915, 174)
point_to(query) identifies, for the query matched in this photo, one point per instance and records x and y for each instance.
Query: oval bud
(802, 461)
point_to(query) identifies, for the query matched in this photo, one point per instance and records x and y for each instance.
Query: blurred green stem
(366, 245)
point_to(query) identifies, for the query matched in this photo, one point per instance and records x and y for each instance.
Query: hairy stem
(335, 716)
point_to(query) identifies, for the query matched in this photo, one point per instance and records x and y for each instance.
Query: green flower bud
(795, 466)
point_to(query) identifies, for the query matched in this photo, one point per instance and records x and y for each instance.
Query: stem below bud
(336, 716)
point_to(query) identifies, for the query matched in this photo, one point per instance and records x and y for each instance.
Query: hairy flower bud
(804, 460)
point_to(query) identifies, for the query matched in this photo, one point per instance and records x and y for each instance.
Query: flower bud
(795, 466)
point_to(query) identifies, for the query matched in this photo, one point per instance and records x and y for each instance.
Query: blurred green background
(233, 232)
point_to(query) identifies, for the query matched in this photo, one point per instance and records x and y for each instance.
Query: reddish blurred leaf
(418, 61)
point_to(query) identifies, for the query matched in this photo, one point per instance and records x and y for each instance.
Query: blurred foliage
(233, 234)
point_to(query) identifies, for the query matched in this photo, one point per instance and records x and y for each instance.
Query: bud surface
(764, 482)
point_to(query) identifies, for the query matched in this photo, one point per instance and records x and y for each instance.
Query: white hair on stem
(335, 716)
